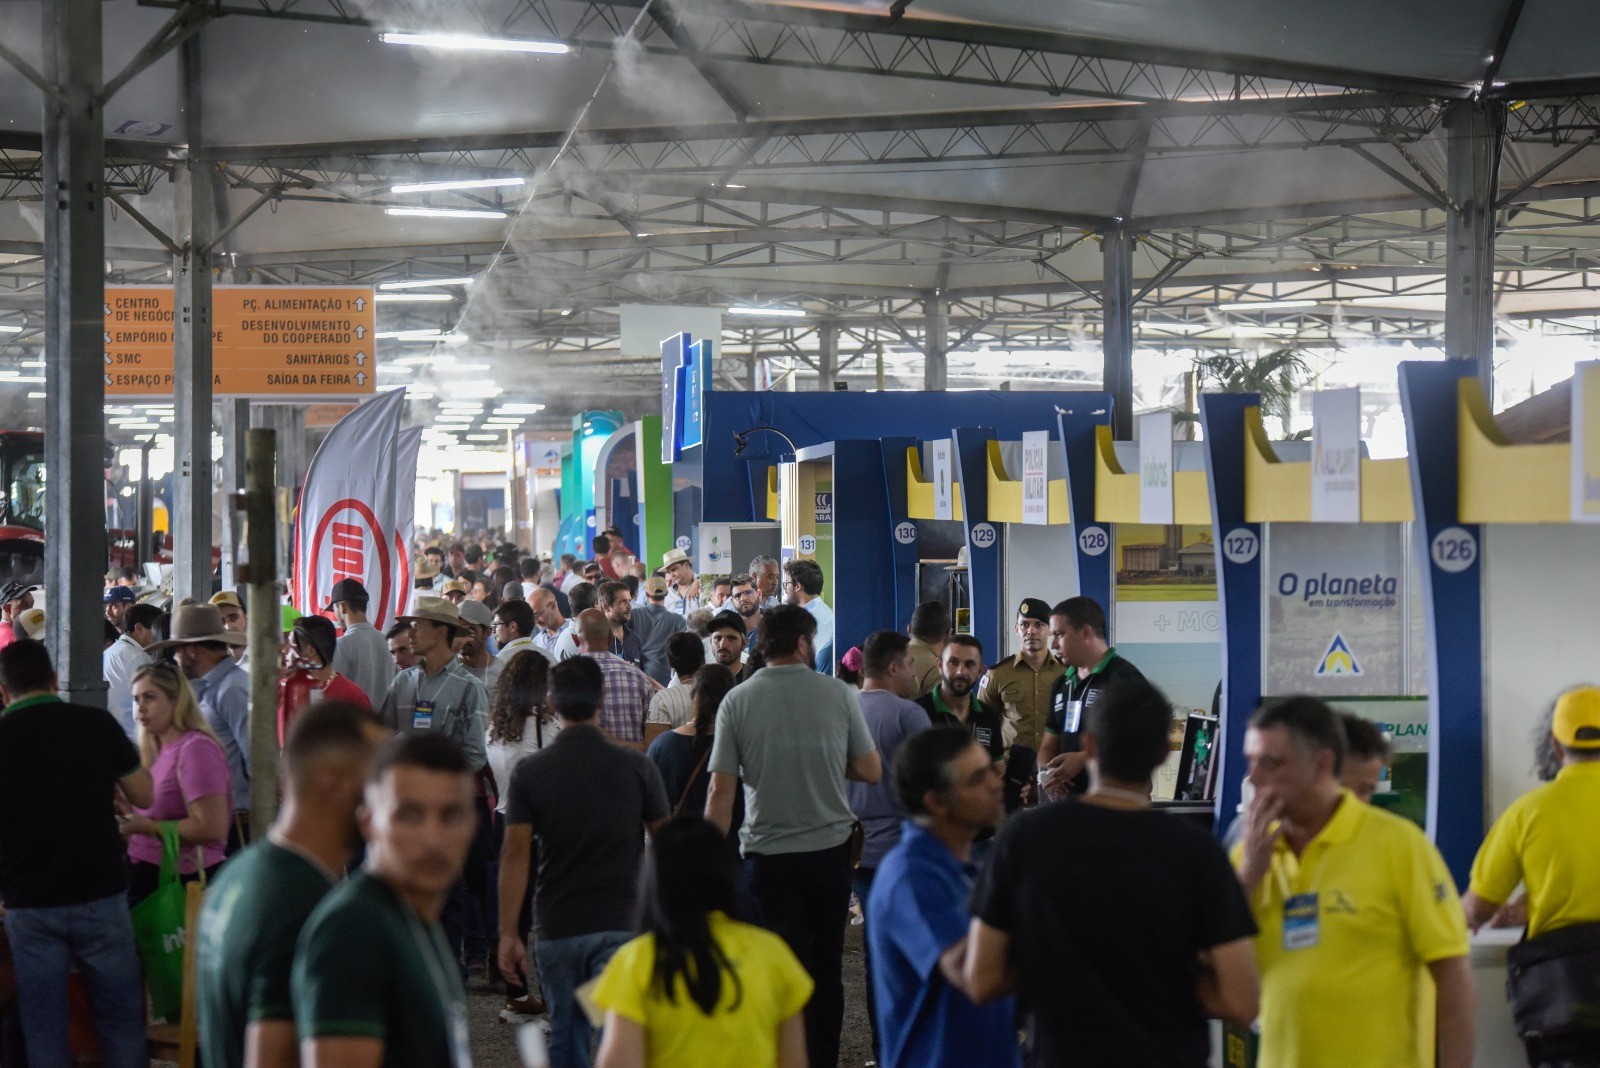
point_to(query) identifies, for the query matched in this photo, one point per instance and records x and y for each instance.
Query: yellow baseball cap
(229, 598)
(1577, 718)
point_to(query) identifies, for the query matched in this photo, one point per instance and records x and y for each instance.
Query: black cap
(13, 590)
(348, 589)
(1034, 608)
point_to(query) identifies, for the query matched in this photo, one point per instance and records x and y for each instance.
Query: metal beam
(193, 221)
(74, 151)
(936, 345)
(1474, 133)
(1116, 317)
(827, 354)
(815, 37)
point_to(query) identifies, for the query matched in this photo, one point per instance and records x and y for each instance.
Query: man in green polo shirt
(255, 910)
(1078, 637)
(374, 980)
(951, 702)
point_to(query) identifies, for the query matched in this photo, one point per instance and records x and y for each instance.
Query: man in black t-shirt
(589, 800)
(1078, 638)
(62, 878)
(1122, 927)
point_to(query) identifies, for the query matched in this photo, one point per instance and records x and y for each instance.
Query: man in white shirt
(803, 586)
(554, 632)
(362, 654)
(683, 592)
(122, 660)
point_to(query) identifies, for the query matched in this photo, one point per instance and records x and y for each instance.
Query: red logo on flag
(349, 532)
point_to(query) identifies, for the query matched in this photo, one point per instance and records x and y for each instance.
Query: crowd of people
(644, 803)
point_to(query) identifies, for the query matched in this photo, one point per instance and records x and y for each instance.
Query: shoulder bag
(1553, 984)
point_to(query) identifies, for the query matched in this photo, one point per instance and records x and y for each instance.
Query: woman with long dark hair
(698, 989)
(682, 754)
(520, 722)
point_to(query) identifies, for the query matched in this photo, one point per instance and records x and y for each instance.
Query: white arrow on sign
(360, 302)
(108, 380)
(361, 331)
(108, 359)
(361, 378)
(108, 337)
(107, 308)
(361, 358)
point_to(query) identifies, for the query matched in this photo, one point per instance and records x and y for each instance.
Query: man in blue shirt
(951, 792)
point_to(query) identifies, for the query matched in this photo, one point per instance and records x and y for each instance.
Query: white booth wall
(1541, 636)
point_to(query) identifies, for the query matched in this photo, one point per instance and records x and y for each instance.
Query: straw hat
(193, 623)
(674, 556)
(30, 624)
(434, 610)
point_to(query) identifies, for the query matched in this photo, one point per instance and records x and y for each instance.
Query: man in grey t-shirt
(794, 737)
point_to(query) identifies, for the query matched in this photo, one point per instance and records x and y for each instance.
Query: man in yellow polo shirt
(1549, 838)
(1359, 919)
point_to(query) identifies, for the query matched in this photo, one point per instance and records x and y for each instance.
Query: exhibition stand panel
(835, 511)
(1279, 491)
(1028, 504)
(1506, 483)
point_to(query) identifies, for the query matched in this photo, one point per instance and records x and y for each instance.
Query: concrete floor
(494, 1044)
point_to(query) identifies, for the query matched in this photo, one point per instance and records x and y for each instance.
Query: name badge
(1301, 926)
(422, 716)
(1073, 719)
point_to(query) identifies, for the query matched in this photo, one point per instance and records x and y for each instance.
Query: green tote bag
(158, 933)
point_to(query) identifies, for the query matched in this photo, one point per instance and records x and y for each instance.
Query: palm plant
(1277, 376)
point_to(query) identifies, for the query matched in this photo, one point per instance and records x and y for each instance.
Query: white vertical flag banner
(1155, 468)
(1336, 456)
(407, 447)
(345, 524)
(1036, 476)
(944, 504)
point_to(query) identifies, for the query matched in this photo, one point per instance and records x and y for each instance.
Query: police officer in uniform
(1078, 637)
(1020, 685)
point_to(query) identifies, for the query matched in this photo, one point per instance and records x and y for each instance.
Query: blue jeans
(98, 937)
(564, 965)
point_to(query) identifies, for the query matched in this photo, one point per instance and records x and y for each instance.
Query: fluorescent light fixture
(465, 406)
(7, 329)
(13, 376)
(418, 283)
(471, 389)
(409, 335)
(791, 313)
(446, 213)
(1267, 305)
(35, 396)
(30, 363)
(513, 421)
(460, 42)
(518, 408)
(413, 298)
(469, 367)
(413, 393)
(397, 368)
(464, 183)
(484, 437)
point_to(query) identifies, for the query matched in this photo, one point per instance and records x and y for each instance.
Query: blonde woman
(190, 775)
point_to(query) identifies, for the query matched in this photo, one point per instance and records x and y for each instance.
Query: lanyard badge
(1301, 922)
(422, 716)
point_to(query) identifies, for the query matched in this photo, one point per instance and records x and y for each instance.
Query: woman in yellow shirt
(699, 989)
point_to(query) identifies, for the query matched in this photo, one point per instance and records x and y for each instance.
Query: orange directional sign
(303, 341)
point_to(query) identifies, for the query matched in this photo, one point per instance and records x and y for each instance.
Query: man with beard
(951, 702)
(255, 910)
(746, 600)
(616, 601)
(727, 644)
(803, 587)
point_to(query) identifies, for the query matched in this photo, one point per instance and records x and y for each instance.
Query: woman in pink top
(190, 774)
